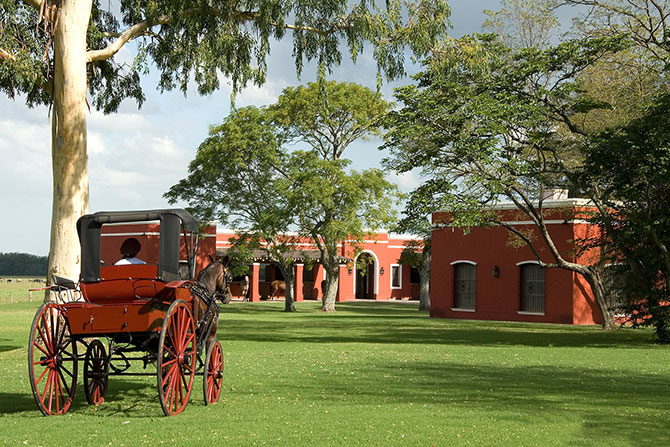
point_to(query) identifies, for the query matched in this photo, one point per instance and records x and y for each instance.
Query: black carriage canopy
(171, 222)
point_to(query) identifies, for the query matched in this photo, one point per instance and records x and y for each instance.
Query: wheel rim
(52, 357)
(95, 373)
(176, 358)
(213, 379)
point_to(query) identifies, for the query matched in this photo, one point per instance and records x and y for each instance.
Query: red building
(487, 275)
(381, 277)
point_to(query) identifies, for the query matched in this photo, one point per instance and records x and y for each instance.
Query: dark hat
(130, 247)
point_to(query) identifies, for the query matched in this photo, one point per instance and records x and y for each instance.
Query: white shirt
(128, 261)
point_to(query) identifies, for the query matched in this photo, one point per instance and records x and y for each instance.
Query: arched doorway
(365, 281)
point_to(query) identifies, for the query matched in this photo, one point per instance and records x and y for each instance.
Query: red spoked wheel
(213, 376)
(52, 358)
(96, 373)
(176, 358)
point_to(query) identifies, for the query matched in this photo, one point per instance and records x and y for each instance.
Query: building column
(346, 283)
(298, 294)
(319, 276)
(254, 289)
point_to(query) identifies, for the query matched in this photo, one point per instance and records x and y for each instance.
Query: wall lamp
(496, 271)
(381, 271)
(349, 270)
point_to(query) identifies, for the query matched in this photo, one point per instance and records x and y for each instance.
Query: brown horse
(211, 284)
(277, 286)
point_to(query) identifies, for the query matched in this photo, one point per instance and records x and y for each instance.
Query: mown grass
(372, 375)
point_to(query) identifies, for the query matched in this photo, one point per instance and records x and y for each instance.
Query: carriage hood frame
(172, 223)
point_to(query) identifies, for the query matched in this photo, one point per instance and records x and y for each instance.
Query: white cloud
(95, 144)
(166, 148)
(407, 181)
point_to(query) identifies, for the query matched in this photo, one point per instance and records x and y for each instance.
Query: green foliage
(235, 175)
(630, 166)
(22, 264)
(486, 122)
(335, 205)
(524, 23)
(328, 116)
(245, 175)
(192, 41)
(23, 46)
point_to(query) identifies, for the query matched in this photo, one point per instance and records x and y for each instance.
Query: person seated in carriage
(129, 250)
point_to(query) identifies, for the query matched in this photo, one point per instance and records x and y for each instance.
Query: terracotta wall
(384, 249)
(568, 298)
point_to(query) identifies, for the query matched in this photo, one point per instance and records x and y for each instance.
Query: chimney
(555, 194)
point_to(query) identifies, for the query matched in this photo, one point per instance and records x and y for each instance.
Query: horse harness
(211, 314)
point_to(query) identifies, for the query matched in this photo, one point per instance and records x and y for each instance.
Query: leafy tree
(333, 206)
(417, 253)
(486, 122)
(22, 264)
(328, 117)
(645, 22)
(246, 175)
(54, 52)
(625, 170)
(236, 178)
(524, 23)
(630, 166)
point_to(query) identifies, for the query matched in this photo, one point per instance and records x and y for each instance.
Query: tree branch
(131, 33)
(141, 28)
(7, 55)
(37, 4)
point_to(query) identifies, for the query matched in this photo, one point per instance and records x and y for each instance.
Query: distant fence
(15, 289)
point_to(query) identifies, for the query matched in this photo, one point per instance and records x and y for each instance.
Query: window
(532, 288)
(264, 272)
(465, 283)
(396, 276)
(615, 286)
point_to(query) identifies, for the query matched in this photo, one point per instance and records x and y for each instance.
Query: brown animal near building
(245, 288)
(277, 286)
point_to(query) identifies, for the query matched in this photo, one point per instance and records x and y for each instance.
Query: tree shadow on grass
(8, 345)
(11, 403)
(400, 330)
(128, 397)
(633, 408)
(121, 398)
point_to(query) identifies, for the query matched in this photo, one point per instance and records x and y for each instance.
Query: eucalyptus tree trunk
(68, 138)
(424, 280)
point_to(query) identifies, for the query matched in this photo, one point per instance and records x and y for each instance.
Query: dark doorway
(365, 277)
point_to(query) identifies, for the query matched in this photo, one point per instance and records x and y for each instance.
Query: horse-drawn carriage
(150, 313)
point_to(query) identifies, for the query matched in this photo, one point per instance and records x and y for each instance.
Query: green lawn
(372, 375)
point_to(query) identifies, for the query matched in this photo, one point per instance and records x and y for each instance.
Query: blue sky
(136, 155)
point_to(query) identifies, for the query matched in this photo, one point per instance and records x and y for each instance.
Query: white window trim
(458, 309)
(399, 276)
(524, 312)
(461, 261)
(536, 262)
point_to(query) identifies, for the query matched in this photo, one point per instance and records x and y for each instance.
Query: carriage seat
(123, 283)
